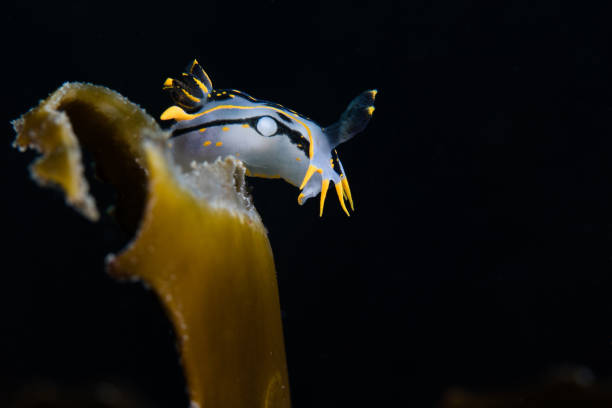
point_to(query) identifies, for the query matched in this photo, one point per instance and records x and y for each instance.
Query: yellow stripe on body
(187, 116)
(174, 112)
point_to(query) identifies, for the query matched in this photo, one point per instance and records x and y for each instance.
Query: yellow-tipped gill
(340, 193)
(347, 191)
(324, 187)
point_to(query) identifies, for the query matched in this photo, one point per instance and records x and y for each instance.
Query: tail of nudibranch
(191, 90)
(353, 120)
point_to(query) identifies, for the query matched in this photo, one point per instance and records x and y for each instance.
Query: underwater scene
(307, 204)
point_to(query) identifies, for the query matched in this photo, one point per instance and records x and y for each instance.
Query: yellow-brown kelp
(199, 242)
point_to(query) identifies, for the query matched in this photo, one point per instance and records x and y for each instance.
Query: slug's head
(271, 140)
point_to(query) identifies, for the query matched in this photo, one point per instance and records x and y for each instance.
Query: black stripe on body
(285, 117)
(214, 123)
(294, 136)
(279, 106)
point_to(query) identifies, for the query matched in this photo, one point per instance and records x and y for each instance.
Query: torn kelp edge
(220, 184)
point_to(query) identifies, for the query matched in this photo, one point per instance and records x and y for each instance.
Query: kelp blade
(199, 243)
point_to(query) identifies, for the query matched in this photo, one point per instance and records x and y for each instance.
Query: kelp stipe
(199, 242)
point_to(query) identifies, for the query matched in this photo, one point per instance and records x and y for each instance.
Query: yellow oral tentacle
(176, 113)
(309, 173)
(324, 186)
(341, 198)
(347, 190)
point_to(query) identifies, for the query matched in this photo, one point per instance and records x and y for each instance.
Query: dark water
(479, 255)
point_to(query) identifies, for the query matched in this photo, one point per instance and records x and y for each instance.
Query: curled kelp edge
(115, 131)
(190, 230)
(48, 130)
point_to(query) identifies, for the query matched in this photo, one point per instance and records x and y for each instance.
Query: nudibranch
(271, 140)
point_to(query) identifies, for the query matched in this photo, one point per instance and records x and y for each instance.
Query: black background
(479, 252)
